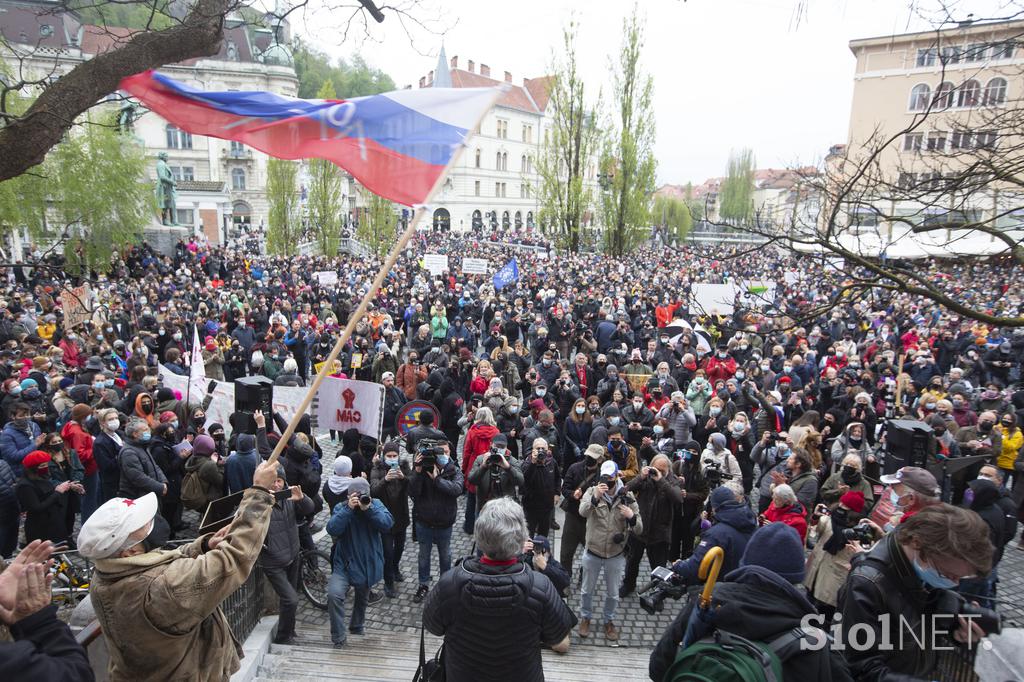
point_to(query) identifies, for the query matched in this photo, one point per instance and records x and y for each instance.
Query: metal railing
(355, 247)
(244, 607)
(956, 665)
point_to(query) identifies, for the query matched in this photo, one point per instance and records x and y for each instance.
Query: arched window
(529, 164)
(504, 161)
(995, 92)
(497, 161)
(477, 158)
(237, 178)
(944, 96)
(970, 94)
(919, 97)
(524, 163)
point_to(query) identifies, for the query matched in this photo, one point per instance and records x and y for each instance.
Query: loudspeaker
(251, 394)
(907, 443)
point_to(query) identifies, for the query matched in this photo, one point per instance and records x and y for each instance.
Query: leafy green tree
(324, 200)
(627, 159)
(736, 197)
(349, 79)
(569, 145)
(89, 197)
(673, 214)
(376, 226)
(284, 220)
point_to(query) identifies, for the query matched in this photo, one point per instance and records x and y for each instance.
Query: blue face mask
(393, 463)
(894, 497)
(442, 460)
(658, 429)
(932, 578)
(144, 438)
(174, 424)
(613, 421)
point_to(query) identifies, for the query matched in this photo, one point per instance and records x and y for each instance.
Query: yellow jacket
(1011, 446)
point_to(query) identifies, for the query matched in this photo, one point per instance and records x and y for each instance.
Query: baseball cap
(107, 530)
(609, 468)
(915, 478)
(594, 451)
(500, 440)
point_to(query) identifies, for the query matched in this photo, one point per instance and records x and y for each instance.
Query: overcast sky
(772, 75)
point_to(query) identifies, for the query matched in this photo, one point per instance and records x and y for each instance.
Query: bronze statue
(166, 193)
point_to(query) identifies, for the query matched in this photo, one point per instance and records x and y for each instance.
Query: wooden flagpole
(358, 313)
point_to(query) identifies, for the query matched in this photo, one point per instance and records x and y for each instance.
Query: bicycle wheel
(315, 573)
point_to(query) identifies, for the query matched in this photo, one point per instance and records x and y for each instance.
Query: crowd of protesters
(570, 388)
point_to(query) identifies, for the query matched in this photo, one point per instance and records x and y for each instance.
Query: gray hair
(737, 489)
(500, 529)
(290, 366)
(485, 416)
(783, 493)
(134, 427)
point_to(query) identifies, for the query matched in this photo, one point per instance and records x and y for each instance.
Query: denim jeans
(336, 589)
(613, 570)
(394, 546)
(428, 537)
(284, 579)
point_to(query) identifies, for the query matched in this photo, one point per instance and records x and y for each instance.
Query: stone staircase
(381, 655)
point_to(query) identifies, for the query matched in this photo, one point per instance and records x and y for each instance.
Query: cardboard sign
(327, 278)
(76, 303)
(474, 266)
(435, 263)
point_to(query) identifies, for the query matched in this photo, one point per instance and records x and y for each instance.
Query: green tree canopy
(324, 203)
(284, 220)
(673, 213)
(737, 193)
(350, 78)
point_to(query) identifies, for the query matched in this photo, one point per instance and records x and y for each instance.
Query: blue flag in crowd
(507, 275)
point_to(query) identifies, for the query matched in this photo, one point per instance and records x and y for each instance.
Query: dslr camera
(429, 449)
(664, 583)
(861, 533)
(364, 500)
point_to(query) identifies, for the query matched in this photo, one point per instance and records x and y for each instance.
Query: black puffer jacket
(281, 544)
(883, 581)
(494, 619)
(657, 500)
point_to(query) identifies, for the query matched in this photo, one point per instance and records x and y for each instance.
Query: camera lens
(364, 499)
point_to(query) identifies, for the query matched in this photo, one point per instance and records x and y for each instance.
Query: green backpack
(727, 657)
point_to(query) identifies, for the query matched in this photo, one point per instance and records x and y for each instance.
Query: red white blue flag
(396, 144)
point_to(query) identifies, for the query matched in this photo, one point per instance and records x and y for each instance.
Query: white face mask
(113, 424)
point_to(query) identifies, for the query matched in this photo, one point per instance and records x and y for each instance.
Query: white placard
(350, 404)
(710, 298)
(474, 266)
(327, 278)
(435, 263)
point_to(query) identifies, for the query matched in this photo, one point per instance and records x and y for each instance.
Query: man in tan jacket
(160, 609)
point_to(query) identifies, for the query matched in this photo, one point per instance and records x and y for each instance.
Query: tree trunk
(25, 141)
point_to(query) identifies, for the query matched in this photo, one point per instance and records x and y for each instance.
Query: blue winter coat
(358, 551)
(734, 524)
(239, 469)
(15, 444)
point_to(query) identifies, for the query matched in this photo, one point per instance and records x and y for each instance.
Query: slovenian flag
(396, 144)
(507, 275)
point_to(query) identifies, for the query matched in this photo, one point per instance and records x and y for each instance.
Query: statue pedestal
(163, 238)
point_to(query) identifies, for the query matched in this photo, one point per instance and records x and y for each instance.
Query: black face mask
(849, 475)
(159, 535)
(984, 427)
(198, 421)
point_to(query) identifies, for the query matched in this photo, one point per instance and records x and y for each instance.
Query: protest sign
(76, 303)
(436, 263)
(349, 404)
(474, 266)
(327, 278)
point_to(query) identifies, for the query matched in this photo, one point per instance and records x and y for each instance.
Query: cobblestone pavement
(636, 628)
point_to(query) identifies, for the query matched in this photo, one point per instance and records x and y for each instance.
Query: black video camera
(714, 474)
(664, 583)
(429, 450)
(859, 533)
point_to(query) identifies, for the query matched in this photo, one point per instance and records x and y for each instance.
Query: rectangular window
(926, 57)
(936, 141)
(912, 142)
(186, 216)
(476, 188)
(976, 52)
(961, 139)
(1003, 50)
(951, 55)
(985, 139)
(497, 189)
(906, 180)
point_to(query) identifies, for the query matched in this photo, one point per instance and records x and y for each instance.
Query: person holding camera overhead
(435, 487)
(357, 558)
(611, 514)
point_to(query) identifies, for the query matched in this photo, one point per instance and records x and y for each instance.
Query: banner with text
(350, 404)
(435, 263)
(474, 266)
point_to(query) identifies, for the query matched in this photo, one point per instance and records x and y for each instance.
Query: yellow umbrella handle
(710, 565)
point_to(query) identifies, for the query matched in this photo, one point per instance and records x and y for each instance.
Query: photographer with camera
(770, 454)
(658, 493)
(721, 463)
(537, 555)
(357, 557)
(389, 483)
(496, 473)
(679, 416)
(579, 477)
(732, 524)
(905, 582)
(611, 514)
(841, 536)
(686, 520)
(761, 602)
(435, 487)
(541, 484)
